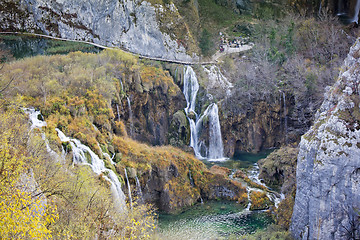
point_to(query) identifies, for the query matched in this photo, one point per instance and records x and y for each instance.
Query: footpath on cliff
(213, 60)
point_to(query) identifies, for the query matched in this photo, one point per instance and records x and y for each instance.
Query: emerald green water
(216, 219)
(212, 220)
(241, 161)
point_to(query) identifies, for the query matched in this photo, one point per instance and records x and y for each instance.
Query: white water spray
(356, 13)
(215, 148)
(97, 165)
(130, 118)
(138, 189)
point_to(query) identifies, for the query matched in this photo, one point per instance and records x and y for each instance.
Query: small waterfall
(273, 196)
(97, 165)
(285, 118)
(356, 13)
(118, 111)
(254, 175)
(138, 189)
(36, 123)
(129, 189)
(248, 189)
(34, 118)
(130, 118)
(121, 84)
(215, 150)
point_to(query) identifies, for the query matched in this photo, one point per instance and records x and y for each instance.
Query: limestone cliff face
(149, 110)
(139, 26)
(328, 168)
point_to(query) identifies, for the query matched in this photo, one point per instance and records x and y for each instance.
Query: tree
(23, 214)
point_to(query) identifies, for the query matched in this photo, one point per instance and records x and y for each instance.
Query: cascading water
(79, 157)
(191, 87)
(276, 198)
(129, 189)
(130, 117)
(215, 148)
(36, 123)
(138, 189)
(97, 165)
(356, 13)
(118, 111)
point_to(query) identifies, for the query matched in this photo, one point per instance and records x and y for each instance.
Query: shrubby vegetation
(74, 93)
(42, 197)
(296, 55)
(23, 213)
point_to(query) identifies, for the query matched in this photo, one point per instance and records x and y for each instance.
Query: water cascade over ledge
(212, 147)
(97, 165)
(79, 157)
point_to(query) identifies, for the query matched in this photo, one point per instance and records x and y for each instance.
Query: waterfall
(129, 189)
(118, 111)
(285, 119)
(191, 87)
(79, 157)
(138, 189)
(34, 118)
(356, 13)
(121, 84)
(276, 198)
(215, 148)
(130, 117)
(97, 165)
(36, 123)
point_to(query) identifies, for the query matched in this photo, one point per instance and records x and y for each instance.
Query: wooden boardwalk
(123, 49)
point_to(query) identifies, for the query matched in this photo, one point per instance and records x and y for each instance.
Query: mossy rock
(179, 131)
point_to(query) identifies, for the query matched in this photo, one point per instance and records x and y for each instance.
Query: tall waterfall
(216, 148)
(211, 148)
(191, 87)
(97, 165)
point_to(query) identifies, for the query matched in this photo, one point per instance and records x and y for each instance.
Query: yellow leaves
(21, 214)
(139, 222)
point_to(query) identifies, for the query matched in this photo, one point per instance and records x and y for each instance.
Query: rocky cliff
(328, 170)
(151, 29)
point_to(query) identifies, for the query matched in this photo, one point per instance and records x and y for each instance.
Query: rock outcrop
(150, 110)
(179, 180)
(278, 170)
(139, 26)
(328, 170)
